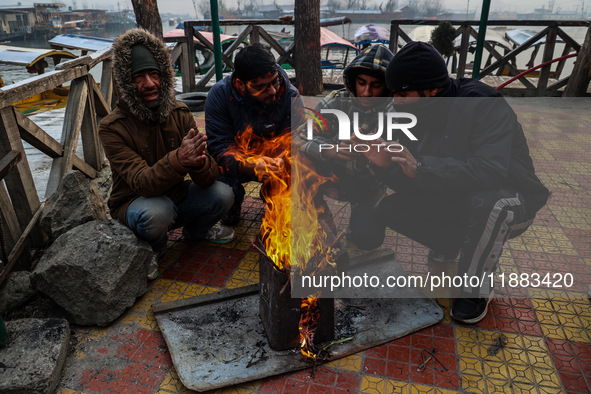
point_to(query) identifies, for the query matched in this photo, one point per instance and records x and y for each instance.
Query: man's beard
(260, 106)
(153, 105)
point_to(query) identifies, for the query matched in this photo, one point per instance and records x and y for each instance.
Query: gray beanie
(142, 59)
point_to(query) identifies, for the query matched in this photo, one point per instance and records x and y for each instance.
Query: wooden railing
(20, 206)
(253, 32)
(497, 63)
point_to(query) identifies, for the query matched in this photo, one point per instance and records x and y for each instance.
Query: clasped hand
(191, 153)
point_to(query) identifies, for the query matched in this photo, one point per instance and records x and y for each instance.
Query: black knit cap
(142, 59)
(417, 66)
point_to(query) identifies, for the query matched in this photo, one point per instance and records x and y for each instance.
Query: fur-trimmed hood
(122, 75)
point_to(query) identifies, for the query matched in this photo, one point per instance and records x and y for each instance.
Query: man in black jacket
(467, 183)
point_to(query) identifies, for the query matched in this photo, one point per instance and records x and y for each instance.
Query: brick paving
(547, 331)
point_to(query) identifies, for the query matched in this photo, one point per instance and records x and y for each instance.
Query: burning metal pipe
(280, 313)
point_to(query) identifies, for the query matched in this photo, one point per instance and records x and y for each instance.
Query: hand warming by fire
(290, 231)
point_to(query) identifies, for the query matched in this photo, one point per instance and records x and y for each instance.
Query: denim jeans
(150, 218)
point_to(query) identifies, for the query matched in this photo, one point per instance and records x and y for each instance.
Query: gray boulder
(76, 201)
(33, 358)
(16, 291)
(94, 271)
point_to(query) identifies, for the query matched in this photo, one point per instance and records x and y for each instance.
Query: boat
(35, 62)
(371, 34)
(81, 43)
(334, 49)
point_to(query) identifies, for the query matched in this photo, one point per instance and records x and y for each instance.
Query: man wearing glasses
(257, 95)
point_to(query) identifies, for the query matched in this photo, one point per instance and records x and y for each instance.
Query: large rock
(33, 358)
(16, 291)
(94, 271)
(76, 201)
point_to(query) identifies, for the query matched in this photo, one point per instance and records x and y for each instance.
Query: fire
(290, 230)
(310, 315)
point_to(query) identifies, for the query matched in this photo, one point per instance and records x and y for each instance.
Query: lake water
(11, 74)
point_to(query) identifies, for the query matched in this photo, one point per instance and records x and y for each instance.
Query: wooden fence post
(19, 182)
(77, 101)
(89, 130)
(188, 68)
(579, 79)
(548, 55)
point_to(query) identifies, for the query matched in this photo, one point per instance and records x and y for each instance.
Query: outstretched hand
(191, 153)
(267, 166)
(383, 157)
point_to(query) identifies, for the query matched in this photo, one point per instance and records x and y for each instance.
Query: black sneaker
(232, 218)
(469, 310)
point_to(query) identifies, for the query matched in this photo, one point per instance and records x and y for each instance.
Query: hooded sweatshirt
(371, 61)
(141, 143)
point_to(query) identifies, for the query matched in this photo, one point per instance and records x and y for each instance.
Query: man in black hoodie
(365, 93)
(467, 184)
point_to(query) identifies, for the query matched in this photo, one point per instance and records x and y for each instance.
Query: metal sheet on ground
(221, 342)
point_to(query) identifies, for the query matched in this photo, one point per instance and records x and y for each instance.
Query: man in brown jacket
(152, 143)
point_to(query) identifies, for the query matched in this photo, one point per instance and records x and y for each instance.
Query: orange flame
(309, 318)
(290, 230)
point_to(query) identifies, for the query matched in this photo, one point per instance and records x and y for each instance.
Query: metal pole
(217, 44)
(481, 36)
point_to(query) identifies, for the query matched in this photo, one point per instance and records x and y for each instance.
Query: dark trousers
(476, 225)
(236, 183)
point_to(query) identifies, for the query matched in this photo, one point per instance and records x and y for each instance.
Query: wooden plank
(288, 56)
(79, 61)
(241, 22)
(19, 181)
(569, 40)
(274, 44)
(254, 35)
(88, 61)
(84, 167)
(71, 129)
(107, 86)
(37, 137)
(495, 22)
(176, 53)
(561, 63)
(189, 67)
(205, 78)
(9, 161)
(557, 85)
(511, 55)
(21, 242)
(465, 42)
(580, 76)
(39, 84)
(393, 45)
(241, 37)
(404, 36)
(204, 41)
(102, 107)
(89, 130)
(99, 56)
(548, 56)
(185, 63)
(12, 229)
